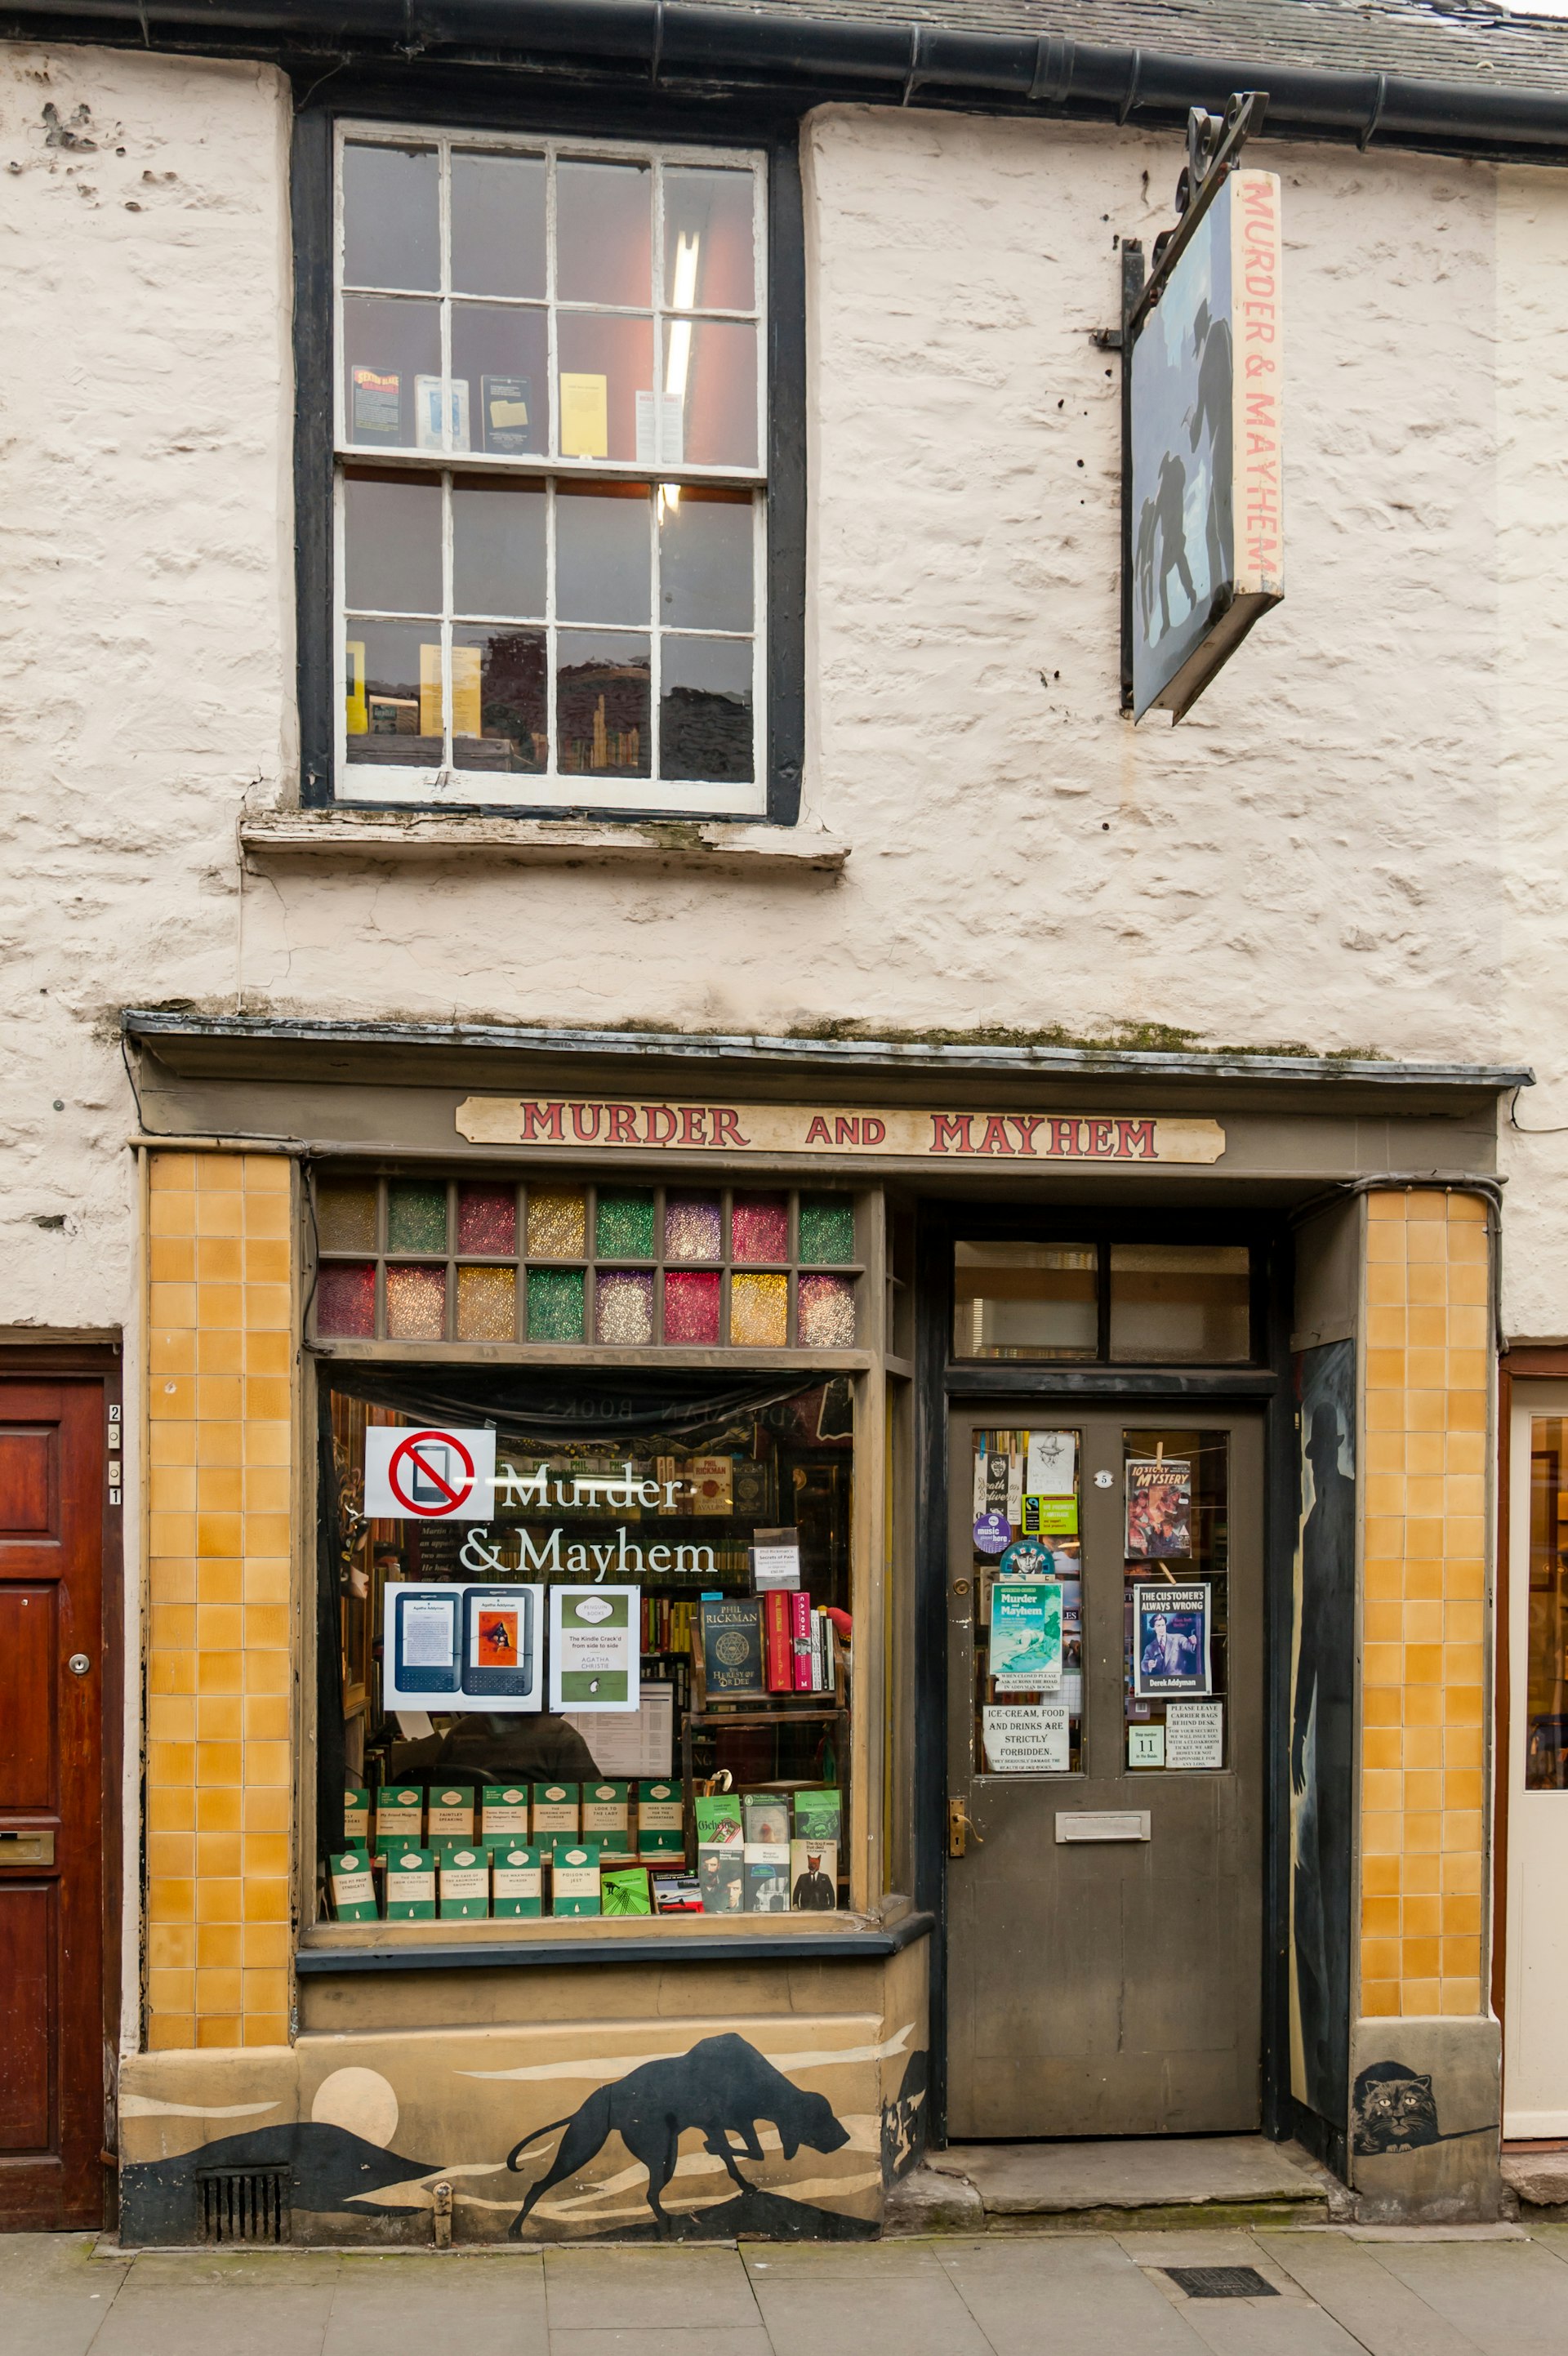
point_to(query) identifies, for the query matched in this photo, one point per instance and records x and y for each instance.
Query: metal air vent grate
(243, 2204)
(1221, 2282)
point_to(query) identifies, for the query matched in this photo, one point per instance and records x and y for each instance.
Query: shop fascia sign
(580, 1124)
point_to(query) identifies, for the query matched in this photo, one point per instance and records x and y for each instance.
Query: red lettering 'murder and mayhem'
(1066, 1141)
(557, 1122)
(1258, 320)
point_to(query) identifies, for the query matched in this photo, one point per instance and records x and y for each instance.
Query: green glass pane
(346, 1216)
(554, 1304)
(623, 1227)
(416, 1218)
(827, 1228)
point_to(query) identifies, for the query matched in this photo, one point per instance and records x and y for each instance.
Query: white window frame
(551, 789)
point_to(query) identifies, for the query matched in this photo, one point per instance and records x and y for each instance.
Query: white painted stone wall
(145, 598)
(1355, 841)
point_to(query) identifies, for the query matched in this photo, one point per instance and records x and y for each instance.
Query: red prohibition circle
(410, 1448)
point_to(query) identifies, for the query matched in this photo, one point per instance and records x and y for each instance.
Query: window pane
(603, 364)
(604, 243)
(705, 708)
(1180, 1301)
(1025, 1301)
(603, 554)
(713, 364)
(1546, 1700)
(387, 347)
(497, 225)
(392, 234)
(393, 686)
(705, 541)
(1175, 1617)
(497, 550)
(602, 704)
(500, 717)
(708, 241)
(393, 545)
(501, 358)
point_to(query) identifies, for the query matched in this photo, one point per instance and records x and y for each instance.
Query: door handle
(960, 1828)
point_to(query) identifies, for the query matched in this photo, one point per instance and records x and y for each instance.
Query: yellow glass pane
(346, 1216)
(487, 1304)
(759, 1310)
(557, 1223)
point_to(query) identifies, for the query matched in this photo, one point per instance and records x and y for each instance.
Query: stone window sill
(693, 844)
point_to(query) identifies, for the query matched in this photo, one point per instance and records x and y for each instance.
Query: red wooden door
(53, 1684)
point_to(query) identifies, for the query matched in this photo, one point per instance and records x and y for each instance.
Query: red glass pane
(759, 1228)
(486, 1220)
(691, 1306)
(345, 1299)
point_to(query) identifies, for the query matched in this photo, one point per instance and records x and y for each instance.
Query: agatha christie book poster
(1159, 1508)
(1206, 529)
(1170, 1641)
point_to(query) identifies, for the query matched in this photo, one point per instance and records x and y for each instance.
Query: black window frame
(447, 101)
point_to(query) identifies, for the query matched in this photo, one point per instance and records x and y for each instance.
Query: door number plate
(1103, 1825)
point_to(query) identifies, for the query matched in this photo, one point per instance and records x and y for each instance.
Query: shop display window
(627, 1690)
(550, 428)
(561, 1260)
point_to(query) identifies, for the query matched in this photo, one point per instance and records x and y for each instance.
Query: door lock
(960, 1828)
(79, 1665)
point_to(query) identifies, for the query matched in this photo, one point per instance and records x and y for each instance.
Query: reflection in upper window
(392, 217)
(1025, 1301)
(1188, 1302)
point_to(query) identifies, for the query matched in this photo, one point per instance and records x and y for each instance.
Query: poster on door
(1159, 1508)
(1025, 1636)
(1170, 1641)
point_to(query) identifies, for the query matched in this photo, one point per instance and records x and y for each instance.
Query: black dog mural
(722, 2087)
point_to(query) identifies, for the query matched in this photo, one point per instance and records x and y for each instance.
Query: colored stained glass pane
(416, 1218)
(416, 1305)
(623, 1306)
(557, 1223)
(487, 1304)
(345, 1299)
(692, 1227)
(825, 1311)
(487, 1218)
(554, 1304)
(759, 1228)
(827, 1228)
(346, 1218)
(623, 1226)
(759, 1312)
(691, 1306)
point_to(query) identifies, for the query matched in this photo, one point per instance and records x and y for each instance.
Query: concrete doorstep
(1206, 2181)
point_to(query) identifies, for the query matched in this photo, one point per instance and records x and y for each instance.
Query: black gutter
(684, 48)
(149, 1025)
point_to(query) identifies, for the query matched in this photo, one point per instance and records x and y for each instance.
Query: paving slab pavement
(1328, 2293)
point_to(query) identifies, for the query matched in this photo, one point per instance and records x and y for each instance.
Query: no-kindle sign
(431, 1475)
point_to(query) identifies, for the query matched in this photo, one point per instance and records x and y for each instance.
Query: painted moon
(360, 2101)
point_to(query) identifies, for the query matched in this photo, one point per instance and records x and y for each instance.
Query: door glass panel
(1025, 1301)
(1175, 1513)
(1546, 1693)
(1028, 1602)
(1186, 1301)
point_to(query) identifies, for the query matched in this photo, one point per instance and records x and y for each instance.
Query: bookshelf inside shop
(626, 1690)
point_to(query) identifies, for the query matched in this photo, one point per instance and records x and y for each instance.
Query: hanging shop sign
(1203, 350)
(576, 1124)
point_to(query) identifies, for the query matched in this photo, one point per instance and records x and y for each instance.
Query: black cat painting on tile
(1394, 2109)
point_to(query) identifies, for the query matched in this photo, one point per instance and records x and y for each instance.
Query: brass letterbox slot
(27, 1849)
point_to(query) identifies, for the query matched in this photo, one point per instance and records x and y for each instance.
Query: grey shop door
(1101, 1986)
